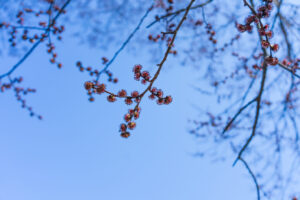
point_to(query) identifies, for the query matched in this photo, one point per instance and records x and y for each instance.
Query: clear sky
(76, 151)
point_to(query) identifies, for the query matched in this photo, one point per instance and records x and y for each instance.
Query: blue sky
(76, 151)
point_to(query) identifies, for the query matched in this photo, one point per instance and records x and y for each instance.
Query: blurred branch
(21, 60)
(288, 69)
(253, 177)
(177, 13)
(237, 114)
(125, 43)
(47, 32)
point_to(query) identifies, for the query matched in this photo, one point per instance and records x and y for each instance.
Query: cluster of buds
(53, 59)
(293, 65)
(94, 72)
(271, 60)
(31, 39)
(97, 88)
(20, 18)
(111, 77)
(88, 69)
(94, 89)
(264, 31)
(211, 33)
(104, 60)
(164, 36)
(167, 6)
(168, 41)
(32, 34)
(154, 39)
(138, 74)
(13, 37)
(21, 33)
(198, 22)
(7, 86)
(56, 8)
(130, 124)
(158, 94)
(256, 67)
(19, 93)
(247, 27)
(262, 12)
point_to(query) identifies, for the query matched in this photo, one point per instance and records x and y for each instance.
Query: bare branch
(237, 114)
(258, 103)
(177, 13)
(253, 177)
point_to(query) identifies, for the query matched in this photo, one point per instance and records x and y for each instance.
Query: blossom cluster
(94, 87)
(20, 92)
(95, 73)
(46, 25)
(262, 12)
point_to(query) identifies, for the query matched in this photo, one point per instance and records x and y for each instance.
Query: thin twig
(177, 12)
(237, 114)
(125, 43)
(253, 177)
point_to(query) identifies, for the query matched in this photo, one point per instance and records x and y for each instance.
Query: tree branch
(178, 12)
(258, 103)
(237, 114)
(253, 177)
(125, 43)
(47, 32)
(160, 65)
